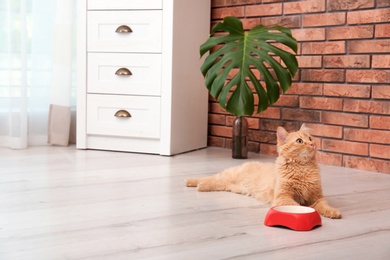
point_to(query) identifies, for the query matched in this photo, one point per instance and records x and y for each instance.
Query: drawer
(144, 120)
(124, 4)
(124, 73)
(141, 31)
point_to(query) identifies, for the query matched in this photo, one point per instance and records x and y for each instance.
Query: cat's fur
(294, 179)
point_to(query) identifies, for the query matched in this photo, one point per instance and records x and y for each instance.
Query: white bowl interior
(294, 209)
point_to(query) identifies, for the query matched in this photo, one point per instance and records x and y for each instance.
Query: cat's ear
(305, 129)
(281, 134)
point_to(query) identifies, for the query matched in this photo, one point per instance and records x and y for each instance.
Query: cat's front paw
(191, 182)
(206, 186)
(331, 213)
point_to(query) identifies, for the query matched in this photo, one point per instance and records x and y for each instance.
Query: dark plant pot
(240, 138)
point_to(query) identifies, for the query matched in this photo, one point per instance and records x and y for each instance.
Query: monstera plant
(229, 68)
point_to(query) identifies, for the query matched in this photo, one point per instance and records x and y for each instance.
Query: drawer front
(124, 73)
(141, 31)
(124, 4)
(143, 123)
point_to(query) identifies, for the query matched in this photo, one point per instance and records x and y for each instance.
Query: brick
(220, 13)
(253, 147)
(216, 108)
(228, 143)
(293, 21)
(367, 164)
(383, 3)
(329, 158)
(381, 61)
(272, 125)
(272, 1)
(262, 137)
(321, 103)
(380, 122)
(268, 149)
(216, 141)
(297, 76)
(215, 48)
(278, 59)
(249, 23)
(382, 30)
(327, 75)
(326, 130)
(221, 131)
(369, 46)
(287, 101)
(241, 2)
(367, 106)
(350, 61)
(271, 112)
(341, 146)
(337, 47)
(347, 90)
(263, 10)
(250, 84)
(217, 119)
(253, 123)
(285, 48)
(380, 151)
(328, 19)
(309, 61)
(301, 88)
(216, 3)
(318, 143)
(367, 135)
(313, 34)
(301, 115)
(337, 5)
(351, 32)
(368, 76)
(234, 72)
(368, 16)
(345, 119)
(309, 6)
(257, 74)
(381, 92)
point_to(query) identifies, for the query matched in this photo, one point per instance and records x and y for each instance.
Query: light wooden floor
(63, 203)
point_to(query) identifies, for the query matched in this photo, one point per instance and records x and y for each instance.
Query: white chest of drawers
(139, 84)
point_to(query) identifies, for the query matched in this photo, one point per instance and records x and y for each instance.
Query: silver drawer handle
(122, 113)
(123, 29)
(123, 72)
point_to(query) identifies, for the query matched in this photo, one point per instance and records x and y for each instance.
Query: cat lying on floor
(294, 179)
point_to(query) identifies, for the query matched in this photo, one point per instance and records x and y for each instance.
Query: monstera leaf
(240, 52)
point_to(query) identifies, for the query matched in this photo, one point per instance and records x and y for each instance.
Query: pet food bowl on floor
(298, 218)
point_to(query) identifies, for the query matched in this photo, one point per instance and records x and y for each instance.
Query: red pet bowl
(298, 218)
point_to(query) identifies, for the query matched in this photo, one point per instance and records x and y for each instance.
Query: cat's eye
(299, 141)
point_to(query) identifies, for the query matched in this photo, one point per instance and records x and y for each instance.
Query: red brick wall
(342, 89)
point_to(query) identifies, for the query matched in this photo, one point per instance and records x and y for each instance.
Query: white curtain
(36, 72)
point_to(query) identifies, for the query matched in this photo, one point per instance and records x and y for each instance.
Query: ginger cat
(294, 179)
